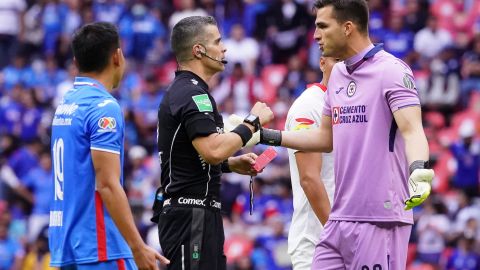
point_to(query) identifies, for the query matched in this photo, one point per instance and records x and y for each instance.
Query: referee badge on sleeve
(203, 103)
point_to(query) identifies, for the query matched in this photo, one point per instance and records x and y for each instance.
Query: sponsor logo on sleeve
(203, 103)
(408, 81)
(303, 123)
(107, 124)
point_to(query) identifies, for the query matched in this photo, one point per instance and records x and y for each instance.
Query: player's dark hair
(186, 33)
(355, 11)
(93, 44)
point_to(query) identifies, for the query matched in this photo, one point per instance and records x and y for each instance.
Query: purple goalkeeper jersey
(371, 169)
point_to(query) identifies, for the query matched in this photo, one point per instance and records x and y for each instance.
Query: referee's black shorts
(192, 238)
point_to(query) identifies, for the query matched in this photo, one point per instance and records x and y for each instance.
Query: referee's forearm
(222, 147)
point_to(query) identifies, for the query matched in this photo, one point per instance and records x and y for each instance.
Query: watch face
(251, 117)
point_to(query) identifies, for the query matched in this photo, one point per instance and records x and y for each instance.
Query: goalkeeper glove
(235, 120)
(419, 186)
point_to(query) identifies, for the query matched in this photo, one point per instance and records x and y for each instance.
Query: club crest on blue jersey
(351, 89)
(107, 124)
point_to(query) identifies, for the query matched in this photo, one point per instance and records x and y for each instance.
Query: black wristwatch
(253, 120)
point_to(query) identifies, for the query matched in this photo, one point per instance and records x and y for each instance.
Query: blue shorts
(120, 264)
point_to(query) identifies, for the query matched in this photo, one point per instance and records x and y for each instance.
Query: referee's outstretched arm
(216, 147)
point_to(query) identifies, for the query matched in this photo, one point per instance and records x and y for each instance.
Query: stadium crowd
(272, 57)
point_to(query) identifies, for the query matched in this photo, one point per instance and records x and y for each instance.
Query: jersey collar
(86, 81)
(355, 61)
(319, 85)
(192, 76)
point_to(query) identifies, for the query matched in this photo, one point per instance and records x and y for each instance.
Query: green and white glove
(419, 185)
(235, 120)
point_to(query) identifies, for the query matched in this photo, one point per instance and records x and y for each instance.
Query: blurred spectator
(40, 69)
(38, 258)
(264, 206)
(467, 218)
(453, 16)
(185, 8)
(145, 109)
(244, 90)
(139, 183)
(11, 28)
(19, 72)
(464, 256)
(376, 24)
(241, 49)
(8, 180)
(432, 39)
(140, 30)
(432, 228)
(47, 77)
(11, 252)
(53, 18)
(467, 155)
(415, 15)
(108, 10)
(39, 182)
(471, 71)
(33, 29)
(73, 19)
(284, 26)
(11, 111)
(31, 116)
(398, 40)
(66, 84)
(26, 158)
(294, 82)
(270, 250)
(444, 82)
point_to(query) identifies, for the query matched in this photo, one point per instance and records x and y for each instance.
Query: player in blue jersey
(91, 225)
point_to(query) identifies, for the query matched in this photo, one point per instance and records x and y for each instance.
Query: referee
(194, 150)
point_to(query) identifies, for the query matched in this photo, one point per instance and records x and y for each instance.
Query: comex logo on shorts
(190, 201)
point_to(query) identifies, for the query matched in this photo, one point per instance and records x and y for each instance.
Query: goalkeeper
(372, 118)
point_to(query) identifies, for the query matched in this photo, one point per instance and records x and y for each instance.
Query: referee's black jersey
(187, 111)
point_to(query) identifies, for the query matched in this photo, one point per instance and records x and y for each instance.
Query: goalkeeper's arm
(409, 122)
(313, 140)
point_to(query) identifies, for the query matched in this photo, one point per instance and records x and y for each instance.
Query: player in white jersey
(311, 173)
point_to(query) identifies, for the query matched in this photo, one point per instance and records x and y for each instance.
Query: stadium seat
(272, 76)
(435, 119)
(443, 172)
(474, 103)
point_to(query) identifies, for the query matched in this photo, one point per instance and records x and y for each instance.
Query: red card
(266, 157)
